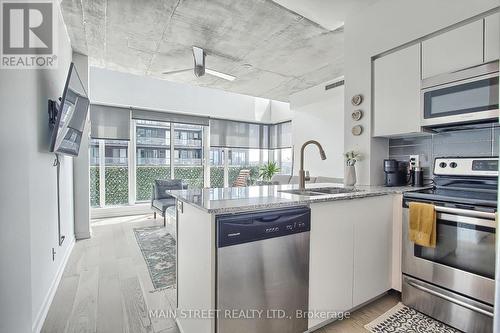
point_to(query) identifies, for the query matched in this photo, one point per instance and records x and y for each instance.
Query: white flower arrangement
(351, 157)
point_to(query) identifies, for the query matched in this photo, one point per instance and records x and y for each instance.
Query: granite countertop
(237, 199)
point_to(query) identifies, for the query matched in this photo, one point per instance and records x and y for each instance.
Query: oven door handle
(451, 299)
(465, 212)
(468, 220)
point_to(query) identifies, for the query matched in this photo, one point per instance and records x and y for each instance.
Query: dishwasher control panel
(233, 229)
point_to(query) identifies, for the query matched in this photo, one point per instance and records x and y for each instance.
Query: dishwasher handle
(268, 219)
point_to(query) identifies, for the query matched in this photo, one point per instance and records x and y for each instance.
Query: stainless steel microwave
(461, 97)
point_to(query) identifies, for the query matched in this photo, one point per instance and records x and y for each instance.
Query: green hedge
(192, 176)
(94, 186)
(216, 176)
(145, 177)
(116, 179)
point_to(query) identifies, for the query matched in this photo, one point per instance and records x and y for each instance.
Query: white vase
(350, 175)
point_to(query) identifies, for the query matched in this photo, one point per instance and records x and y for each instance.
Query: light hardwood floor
(106, 285)
(361, 317)
(106, 288)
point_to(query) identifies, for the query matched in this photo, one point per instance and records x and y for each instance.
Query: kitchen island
(354, 246)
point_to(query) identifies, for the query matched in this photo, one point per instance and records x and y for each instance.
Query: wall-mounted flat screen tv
(69, 116)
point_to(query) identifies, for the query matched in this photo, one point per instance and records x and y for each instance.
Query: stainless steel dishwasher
(263, 271)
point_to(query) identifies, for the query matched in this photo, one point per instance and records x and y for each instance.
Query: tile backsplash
(472, 142)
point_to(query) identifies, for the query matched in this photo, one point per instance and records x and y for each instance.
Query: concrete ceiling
(272, 50)
(330, 14)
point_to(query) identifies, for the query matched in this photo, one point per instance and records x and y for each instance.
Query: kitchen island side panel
(195, 268)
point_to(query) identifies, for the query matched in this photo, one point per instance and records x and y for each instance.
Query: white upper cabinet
(453, 50)
(397, 93)
(491, 37)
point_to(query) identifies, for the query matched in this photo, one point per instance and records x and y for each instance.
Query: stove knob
(453, 165)
(443, 164)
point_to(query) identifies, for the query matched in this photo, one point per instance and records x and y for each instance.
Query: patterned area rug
(158, 250)
(404, 319)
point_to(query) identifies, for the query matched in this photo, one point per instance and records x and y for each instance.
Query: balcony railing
(153, 141)
(110, 161)
(94, 160)
(188, 142)
(153, 161)
(187, 161)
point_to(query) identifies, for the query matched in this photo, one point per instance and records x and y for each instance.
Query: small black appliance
(396, 172)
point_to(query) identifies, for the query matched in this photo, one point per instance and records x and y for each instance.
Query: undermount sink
(321, 191)
(301, 192)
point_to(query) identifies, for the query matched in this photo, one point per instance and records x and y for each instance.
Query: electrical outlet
(414, 161)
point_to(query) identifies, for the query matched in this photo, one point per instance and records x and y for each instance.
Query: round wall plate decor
(357, 100)
(357, 115)
(357, 130)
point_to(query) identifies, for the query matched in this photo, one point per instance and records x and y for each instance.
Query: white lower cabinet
(331, 258)
(350, 253)
(372, 248)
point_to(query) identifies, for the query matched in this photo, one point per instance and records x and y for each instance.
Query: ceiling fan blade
(178, 71)
(219, 74)
(199, 56)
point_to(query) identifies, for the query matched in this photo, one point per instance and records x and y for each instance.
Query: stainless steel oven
(455, 281)
(462, 97)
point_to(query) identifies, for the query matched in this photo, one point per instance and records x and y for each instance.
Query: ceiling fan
(199, 66)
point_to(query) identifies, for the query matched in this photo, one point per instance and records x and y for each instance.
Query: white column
(102, 174)
(206, 156)
(226, 167)
(132, 166)
(172, 149)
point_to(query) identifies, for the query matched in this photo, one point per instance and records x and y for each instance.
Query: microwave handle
(451, 299)
(465, 212)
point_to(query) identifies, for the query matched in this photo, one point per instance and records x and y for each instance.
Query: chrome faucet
(302, 173)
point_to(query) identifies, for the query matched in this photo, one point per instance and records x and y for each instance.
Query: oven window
(466, 247)
(463, 98)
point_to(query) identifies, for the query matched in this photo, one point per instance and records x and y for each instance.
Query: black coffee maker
(396, 173)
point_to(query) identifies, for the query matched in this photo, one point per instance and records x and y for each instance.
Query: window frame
(264, 155)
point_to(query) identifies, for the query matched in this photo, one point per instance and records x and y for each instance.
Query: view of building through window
(109, 178)
(163, 150)
(188, 154)
(152, 141)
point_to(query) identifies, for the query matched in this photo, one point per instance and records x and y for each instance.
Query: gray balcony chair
(160, 200)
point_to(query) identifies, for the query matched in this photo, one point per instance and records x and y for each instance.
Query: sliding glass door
(109, 173)
(153, 145)
(147, 147)
(188, 154)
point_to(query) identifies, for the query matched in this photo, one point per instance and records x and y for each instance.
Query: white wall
(318, 114)
(28, 204)
(111, 87)
(280, 111)
(381, 27)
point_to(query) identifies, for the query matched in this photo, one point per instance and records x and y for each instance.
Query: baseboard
(42, 314)
(82, 235)
(138, 209)
(179, 325)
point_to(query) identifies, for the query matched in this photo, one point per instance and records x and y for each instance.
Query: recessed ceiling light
(247, 66)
